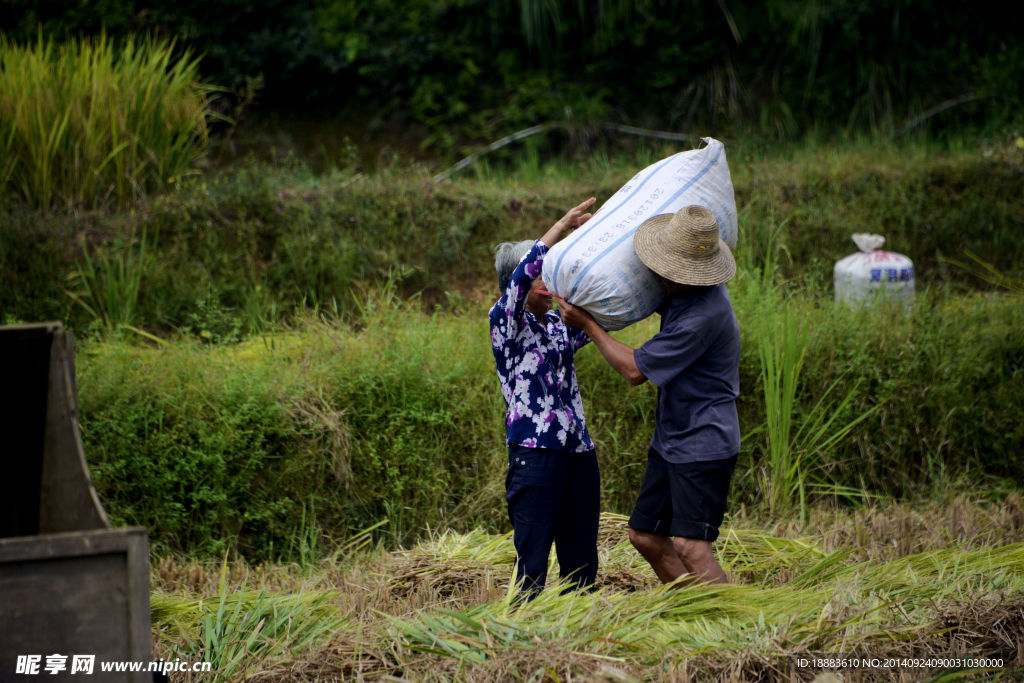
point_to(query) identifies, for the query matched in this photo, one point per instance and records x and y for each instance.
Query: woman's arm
(530, 267)
(618, 355)
(522, 279)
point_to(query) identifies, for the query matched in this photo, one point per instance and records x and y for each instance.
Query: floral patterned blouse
(535, 367)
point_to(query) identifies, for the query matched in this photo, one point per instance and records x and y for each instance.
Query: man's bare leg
(660, 553)
(671, 558)
(699, 560)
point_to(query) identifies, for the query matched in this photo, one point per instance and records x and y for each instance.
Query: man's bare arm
(619, 355)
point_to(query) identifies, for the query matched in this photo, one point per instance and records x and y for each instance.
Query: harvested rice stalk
(830, 607)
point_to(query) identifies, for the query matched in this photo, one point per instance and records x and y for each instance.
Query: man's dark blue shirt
(694, 360)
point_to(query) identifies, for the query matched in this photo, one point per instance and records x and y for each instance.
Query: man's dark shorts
(684, 499)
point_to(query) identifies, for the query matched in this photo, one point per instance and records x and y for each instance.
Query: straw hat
(685, 247)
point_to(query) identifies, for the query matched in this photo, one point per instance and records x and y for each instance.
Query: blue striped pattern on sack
(594, 222)
(657, 212)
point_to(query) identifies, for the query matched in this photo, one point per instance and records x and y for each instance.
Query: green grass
(109, 288)
(284, 367)
(262, 240)
(795, 445)
(398, 416)
(90, 123)
(292, 390)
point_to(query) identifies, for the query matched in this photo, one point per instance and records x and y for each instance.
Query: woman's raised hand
(573, 219)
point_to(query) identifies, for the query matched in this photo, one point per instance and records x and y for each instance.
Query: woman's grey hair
(506, 257)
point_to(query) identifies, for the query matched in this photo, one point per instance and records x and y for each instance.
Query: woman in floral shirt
(553, 486)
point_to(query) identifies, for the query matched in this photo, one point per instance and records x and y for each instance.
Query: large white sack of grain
(872, 272)
(596, 268)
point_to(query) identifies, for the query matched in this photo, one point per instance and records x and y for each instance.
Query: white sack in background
(596, 268)
(871, 270)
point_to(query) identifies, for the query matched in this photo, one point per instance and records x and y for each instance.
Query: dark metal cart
(69, 584)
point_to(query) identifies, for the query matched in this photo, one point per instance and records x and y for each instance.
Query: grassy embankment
(381, 410)
(258, 242)
(400, 417)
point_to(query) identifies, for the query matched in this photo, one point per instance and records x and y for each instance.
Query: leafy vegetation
(255, 245)
(274, 374)
(86, 123)
(789, 467)
(337, 425)
(476, 69)
(290, 370)
(110, 289)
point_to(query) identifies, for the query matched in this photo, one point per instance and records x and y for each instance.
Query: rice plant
(795, 443)
(108, 288)
(986, 272)
(239, 630)
(829, 605)
(443, 609)
(92, 122)
(6, 157)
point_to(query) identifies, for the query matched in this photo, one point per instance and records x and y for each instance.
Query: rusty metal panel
(47, 487)
(76, 593)
(68, 583)
(68, 500)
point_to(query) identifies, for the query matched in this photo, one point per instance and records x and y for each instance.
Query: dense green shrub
(476, 67)
(401, 417)
(263, 241)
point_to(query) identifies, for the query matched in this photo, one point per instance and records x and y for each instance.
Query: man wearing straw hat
(694, 361)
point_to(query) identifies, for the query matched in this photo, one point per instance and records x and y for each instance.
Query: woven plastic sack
(596, 268)
(872, 272)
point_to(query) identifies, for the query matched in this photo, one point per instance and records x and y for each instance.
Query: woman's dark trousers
(553, 496)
